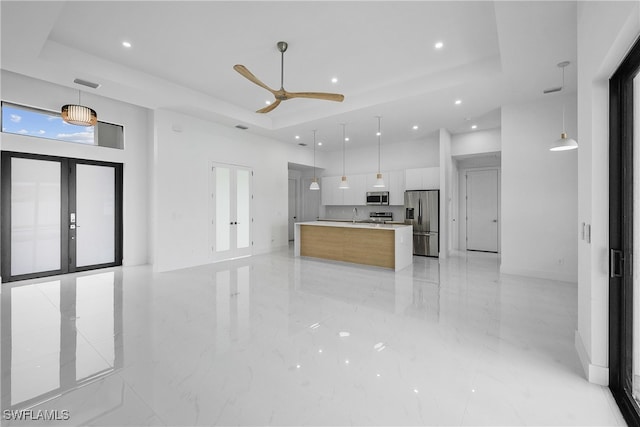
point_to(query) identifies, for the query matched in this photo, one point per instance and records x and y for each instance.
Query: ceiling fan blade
(249, 76)
(269, 107)
(316, 95)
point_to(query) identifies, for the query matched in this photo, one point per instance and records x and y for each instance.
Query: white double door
(230, 234)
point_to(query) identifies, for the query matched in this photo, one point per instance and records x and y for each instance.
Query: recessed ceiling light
(439, 45)
(458, 101)
(297, 136)
(334, 80)
(267, 102)
(474, 127)
(378, 133)
(415, 127)
(347, 139)
(319, 143)
(126, 44)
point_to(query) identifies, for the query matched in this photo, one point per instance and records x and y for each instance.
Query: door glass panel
(242, 208)
(35, 216)
(95, 215)
(636, 241)
(223, 208)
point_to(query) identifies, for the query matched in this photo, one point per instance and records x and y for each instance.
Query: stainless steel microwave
(378, 198)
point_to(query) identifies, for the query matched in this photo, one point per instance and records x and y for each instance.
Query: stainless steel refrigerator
(422, 210)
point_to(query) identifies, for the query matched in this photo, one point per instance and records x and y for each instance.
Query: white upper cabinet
(395, 186)
(331, 194)
(355, 195)
(422, 179)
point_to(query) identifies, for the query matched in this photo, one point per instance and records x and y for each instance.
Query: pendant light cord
(379, 144)
(343, 148)
(564, 130)
(314, 154)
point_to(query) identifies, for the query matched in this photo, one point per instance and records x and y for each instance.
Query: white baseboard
(594, 373)
(562, 277)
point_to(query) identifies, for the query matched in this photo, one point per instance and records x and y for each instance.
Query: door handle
(495, 220)
(616, 263)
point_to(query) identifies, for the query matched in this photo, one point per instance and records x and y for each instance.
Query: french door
(230, 232)
(624, 236)
(59, 215)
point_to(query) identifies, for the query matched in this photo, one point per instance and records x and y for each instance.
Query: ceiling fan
(283, 95)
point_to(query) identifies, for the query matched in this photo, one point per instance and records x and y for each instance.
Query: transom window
(21, 120)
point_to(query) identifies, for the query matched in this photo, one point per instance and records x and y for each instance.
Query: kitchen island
(381, 245)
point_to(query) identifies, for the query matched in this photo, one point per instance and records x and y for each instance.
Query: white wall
(606, 30)
(182, 180)
(446, 196)
(539, 191)
(478, 142)
(24, 90)
(397, 156)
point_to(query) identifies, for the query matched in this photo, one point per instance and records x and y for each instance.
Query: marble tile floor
(278, 340)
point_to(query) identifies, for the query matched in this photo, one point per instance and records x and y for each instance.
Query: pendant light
(314, 183)
(344, 185)
(79, 114)
(379, 181)
(564, 143)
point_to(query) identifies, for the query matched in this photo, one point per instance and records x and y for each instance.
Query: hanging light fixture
(314, 183)
(79, 114)
(564, 143)
(344, 185)
(379, 181)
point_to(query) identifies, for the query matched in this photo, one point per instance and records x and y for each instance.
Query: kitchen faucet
(355, 214)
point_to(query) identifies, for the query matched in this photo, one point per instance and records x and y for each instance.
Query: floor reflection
(59, 335)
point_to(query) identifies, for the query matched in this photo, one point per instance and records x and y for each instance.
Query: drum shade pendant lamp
(564, 143)
(344, 185)
(379, 181)
(79, 114)
(314, 182)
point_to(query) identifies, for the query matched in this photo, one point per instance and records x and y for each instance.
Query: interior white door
(482, 210)
(230, 212)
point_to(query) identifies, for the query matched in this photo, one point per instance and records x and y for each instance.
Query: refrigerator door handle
(420, 211)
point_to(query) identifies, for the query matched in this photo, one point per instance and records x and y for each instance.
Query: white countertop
(368, 225)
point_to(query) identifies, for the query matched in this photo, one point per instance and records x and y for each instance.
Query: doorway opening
(479, 202)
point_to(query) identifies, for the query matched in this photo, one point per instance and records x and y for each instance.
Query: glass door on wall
(624, 236)
(230, 211)
(59, 215)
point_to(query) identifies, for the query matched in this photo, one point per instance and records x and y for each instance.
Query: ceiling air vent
(86, 83)
(302, 144)
(243, 127)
